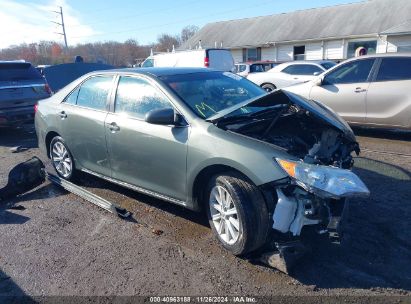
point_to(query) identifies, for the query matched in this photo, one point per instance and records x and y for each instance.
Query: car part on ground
(31, 174)
(285, 257)
(23, 178)
(89, 196)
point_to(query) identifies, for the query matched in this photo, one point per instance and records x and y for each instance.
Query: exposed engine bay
(300, 132)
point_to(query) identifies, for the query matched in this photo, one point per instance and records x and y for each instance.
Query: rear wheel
(268, 87)
(61, 158)
(237, 213)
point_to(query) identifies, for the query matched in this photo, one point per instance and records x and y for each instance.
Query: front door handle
(62, 115)
(359, 90)
(113, 127)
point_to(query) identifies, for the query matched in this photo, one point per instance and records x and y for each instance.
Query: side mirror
(316, 73)
(160, 117)
(318, 81)
(166, 116)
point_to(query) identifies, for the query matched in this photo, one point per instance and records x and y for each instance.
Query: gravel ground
(62, 245)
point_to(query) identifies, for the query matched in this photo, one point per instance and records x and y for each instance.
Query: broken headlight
(326, 182)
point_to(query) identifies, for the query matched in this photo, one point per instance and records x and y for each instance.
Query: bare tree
(165, 42)
(188, 32)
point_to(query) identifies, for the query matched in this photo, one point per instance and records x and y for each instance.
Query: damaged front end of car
(314, 150)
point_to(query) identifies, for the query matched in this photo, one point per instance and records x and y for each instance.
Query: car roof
(158, 72)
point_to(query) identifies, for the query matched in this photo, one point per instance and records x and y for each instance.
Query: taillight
(47, 88)
(206, 62)
(36, 106)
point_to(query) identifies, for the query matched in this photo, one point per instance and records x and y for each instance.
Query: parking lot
(61, 245)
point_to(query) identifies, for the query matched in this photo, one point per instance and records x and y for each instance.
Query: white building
(333, 32)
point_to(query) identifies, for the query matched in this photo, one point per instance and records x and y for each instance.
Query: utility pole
(62, 25)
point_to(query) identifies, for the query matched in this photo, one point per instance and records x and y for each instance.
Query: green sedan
(207, 140)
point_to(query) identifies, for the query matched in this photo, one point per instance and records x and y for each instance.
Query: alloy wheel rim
(224, 215)
(61, 159)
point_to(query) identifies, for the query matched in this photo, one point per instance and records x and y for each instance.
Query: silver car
(369, 91)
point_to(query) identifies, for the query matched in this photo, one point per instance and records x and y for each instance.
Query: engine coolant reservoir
(284, 212)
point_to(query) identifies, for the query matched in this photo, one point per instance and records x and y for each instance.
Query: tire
(62, 159)
(241, 225)
(268, 87)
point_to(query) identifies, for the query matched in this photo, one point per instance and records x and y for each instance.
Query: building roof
(403, 28)
(355, 19)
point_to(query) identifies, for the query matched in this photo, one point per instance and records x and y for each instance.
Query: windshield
(328, 65)
(208, 93)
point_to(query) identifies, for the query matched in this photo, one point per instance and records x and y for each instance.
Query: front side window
(136, 97)
(94, 92)
(398, 68)
(351, 72)
(302, 69)
(208, 93)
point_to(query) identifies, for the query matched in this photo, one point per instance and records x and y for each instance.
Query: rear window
(327, 65)
(394, 69)
(18, 71)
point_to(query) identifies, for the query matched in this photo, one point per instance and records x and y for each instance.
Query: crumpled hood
(281, 97)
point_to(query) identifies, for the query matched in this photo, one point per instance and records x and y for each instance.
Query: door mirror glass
(161, 117)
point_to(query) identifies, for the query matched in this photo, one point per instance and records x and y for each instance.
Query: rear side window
(394, 69)
(302, 69)
(352, 72)
(14, 71)
(94, 92)
(72, 98)
(136, 97)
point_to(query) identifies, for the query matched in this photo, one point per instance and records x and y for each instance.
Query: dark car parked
(21, 86)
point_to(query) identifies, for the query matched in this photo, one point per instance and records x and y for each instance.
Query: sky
(96, 20)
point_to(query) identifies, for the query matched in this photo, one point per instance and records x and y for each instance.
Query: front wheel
(268, 87)
(237, 213)
(61, 158)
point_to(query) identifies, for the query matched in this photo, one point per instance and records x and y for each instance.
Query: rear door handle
(113, 127)
(63, 115)
(359, 90)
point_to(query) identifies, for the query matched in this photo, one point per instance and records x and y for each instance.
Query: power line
(172, 23)
(61, 24)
